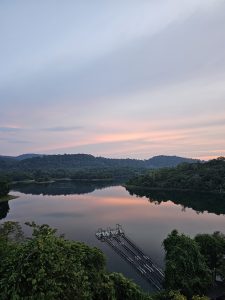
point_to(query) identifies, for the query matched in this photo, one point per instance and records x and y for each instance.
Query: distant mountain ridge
(88, 160)
(22, 156)
(43, 168)
(162, 161)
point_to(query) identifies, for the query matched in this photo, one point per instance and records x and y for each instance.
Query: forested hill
(87, 160)
(80, 166)
(208, 176)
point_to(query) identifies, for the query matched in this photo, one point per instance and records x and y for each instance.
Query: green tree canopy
(4, 188)
(186, 269)
(47, 267)
(208, 176)
(212, 247)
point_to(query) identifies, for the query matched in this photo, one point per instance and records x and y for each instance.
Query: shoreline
(7, 198)
(171, 189)
(60, 179)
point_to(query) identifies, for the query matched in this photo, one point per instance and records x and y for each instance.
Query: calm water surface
(78, 211)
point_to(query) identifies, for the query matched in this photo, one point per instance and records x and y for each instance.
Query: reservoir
(78, 209)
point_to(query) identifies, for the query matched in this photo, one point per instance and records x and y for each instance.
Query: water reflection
(81, 212)
(200, 202)
(63, 187)
(4, 209)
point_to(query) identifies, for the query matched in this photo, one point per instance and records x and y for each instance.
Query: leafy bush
(186, 268)
(48, 266)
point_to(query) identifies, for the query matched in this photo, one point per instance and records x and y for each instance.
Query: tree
(4, 209)
(186, 269)
(4, 188)
(47, 267)
(175, 295)
(10, 233)
(212, 247)
(200, 298)
(126, 289)
(208, 176)
(169, 295)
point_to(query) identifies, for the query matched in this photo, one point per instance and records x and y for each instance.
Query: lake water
(79, 209)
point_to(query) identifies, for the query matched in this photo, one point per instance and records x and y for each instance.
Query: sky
(131, 78)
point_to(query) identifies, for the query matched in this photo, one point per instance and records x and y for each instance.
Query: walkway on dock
(131, 253)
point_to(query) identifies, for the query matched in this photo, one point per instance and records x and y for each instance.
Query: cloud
(10, 129)
(189, 47)
(20, 142)
(148, 80)
(15, 141)
(78, 32)
(63, 128)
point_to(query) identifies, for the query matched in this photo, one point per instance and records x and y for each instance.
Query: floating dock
(130, 252)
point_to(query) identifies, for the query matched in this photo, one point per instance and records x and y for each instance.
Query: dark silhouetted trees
(208, 176)
(186, 269)
(4, 188)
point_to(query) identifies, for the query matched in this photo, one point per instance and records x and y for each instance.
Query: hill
(27, 155)
(163, 161)
(208, 176)
(84, 160)
(21, 157)
(80, 166)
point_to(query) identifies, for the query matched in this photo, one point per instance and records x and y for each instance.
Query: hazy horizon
(115, 79)
(97, 156)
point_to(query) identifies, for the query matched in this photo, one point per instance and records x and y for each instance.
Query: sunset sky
(113, 78)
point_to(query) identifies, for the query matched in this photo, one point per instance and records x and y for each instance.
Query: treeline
(44, 175)
(4, 188)
(208, 176)
(47, 267)
(80, 166)
(86, 160)
(77, 167)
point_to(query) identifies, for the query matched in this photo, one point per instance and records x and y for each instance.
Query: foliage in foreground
(192, 264)
(185, 265)
(47, 267)
(175, 295)
(50, 267)
(212, 247)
